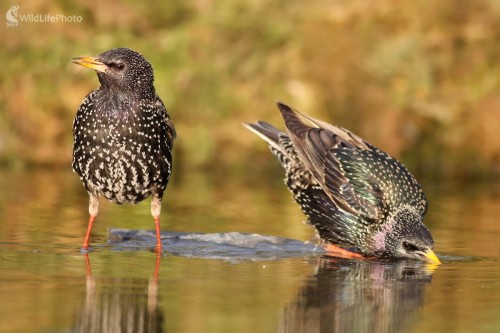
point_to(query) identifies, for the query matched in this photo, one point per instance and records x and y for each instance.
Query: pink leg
(342, 253)
(158, 247)
(155, 211)
(87, 235)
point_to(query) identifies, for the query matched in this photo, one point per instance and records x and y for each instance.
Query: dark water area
(48, 285)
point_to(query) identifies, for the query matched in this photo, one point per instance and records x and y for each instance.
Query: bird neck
(115, 102)
(136, 90)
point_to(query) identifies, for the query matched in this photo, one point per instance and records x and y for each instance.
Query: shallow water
(48, 285)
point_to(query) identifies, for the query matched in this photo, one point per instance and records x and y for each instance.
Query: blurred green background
(419, 79)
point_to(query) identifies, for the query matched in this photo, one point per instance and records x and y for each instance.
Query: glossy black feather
(123, 135)
(352, 192)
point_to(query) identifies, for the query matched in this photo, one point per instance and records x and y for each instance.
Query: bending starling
(123, 135)
(353, 193)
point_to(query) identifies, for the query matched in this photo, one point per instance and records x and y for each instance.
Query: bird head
(121, 69)
(405, 236)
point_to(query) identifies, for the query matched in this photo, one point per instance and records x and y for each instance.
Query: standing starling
(353, 193)
(123, 135)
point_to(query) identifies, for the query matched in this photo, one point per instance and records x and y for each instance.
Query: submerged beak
(431, 257)
(91, 62)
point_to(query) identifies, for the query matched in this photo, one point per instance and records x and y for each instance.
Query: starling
(122, 135)
(353, 193)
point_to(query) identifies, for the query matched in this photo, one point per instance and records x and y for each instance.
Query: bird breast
(117, 152)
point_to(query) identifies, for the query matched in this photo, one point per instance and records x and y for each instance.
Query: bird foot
(337, 251)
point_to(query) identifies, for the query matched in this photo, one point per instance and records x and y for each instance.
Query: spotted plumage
(353, 193)
(123, 135)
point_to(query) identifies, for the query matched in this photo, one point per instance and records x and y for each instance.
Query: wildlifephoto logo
(11, 16)
(14, 17)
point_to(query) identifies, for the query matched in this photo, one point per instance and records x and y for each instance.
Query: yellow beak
(91, 62)
(431, 257)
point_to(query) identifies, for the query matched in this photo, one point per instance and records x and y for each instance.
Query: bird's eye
(409, 247)
(116, 65)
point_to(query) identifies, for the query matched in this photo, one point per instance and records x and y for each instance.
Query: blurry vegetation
(418, 79)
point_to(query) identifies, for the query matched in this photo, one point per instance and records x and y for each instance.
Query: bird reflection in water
(120, 304)
(359, 296)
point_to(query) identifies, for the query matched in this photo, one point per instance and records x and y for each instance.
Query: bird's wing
(329, 153)
(79, 124)
(350, 181)
(168, 124)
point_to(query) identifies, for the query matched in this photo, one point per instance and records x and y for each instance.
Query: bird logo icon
(11, 16)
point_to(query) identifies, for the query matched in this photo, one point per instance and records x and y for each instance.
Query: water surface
(48, 285)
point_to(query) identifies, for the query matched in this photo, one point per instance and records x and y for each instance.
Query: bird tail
(281, 146)
(279, 142)
(292, 121)
(267, 132)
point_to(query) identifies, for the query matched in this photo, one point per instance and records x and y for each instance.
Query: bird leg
(158, 246)
(93, 210)
(342, 253)
(87, 235)
(155, 211)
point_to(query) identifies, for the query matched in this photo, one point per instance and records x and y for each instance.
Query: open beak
(91, 62)
(431, 257)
